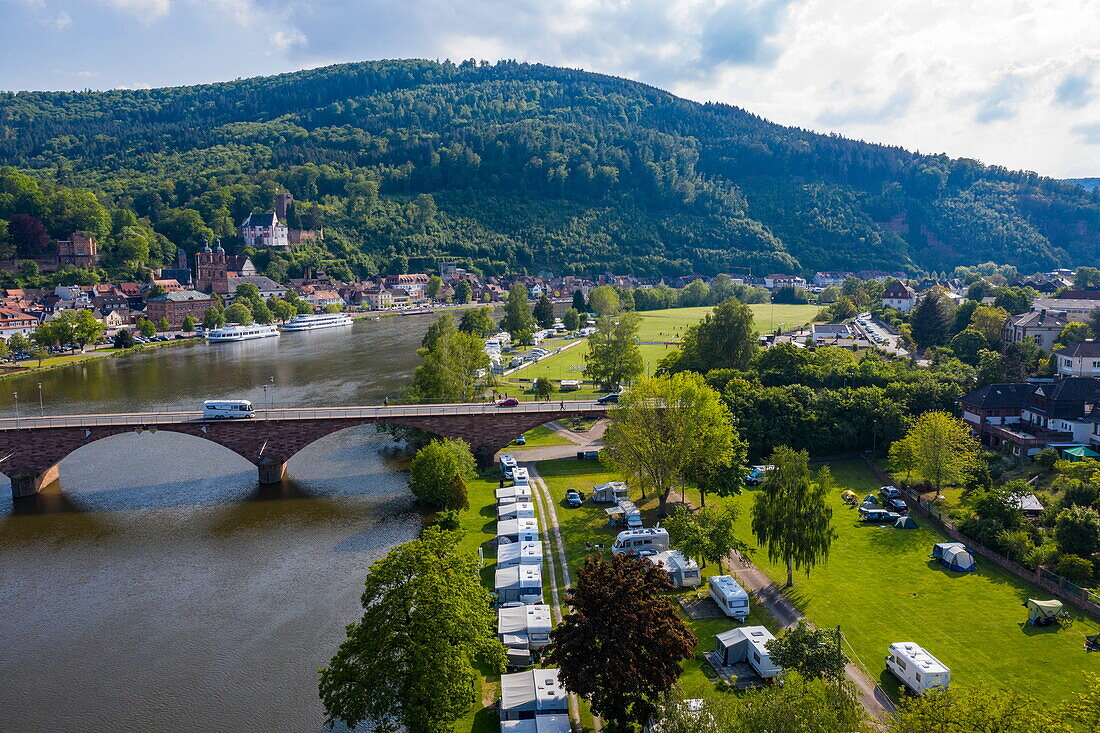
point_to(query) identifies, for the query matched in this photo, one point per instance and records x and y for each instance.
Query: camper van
(522, 583)
(730, 596)
(507, 464)
(517, 530)
(610, 493)
(633, 541)
(683, 572)
(756, 475)
(227, 409)
(520, 477)
(915, 668)
(512, 494)
(519, 553)
(516, 510)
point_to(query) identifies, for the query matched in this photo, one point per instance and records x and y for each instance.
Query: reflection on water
(159, 588)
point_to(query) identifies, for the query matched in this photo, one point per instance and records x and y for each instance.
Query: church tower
(211, 273)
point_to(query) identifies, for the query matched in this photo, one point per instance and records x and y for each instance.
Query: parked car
(508, 402)
(609, 399)
(520, 441)
(889, 492)
(573, 498)
(896, 505)
(877, 516)
(756, 475)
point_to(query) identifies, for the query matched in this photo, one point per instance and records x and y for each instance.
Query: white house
(899, 296)
(771, 282)
(265, 230)
(1082, 360)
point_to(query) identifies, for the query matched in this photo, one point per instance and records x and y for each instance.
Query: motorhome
(520, 477)
(570, 385)
(756, 475)
(625, 513)
(517, 530)
(519, 553)
(610, 493)
(524, 627)
(729, 595)
(522, 583)
(747, 644)
(915, 668)
(227, 409)
(507, 465)
(510, 494)
(683, 572)
(634, 541)
(516, 510)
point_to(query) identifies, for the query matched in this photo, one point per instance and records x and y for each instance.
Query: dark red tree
(622, 643)
(28, 235)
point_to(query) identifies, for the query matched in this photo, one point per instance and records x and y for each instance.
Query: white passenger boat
(241, 333)
(312, 322)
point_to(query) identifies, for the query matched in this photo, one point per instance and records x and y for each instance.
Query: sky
(1007, 82)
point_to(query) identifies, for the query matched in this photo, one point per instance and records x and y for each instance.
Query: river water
(157, 587)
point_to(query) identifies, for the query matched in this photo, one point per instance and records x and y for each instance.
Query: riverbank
(57, 362)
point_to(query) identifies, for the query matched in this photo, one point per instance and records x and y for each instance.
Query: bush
(1075, 569)
(439, 472)
(124, 339)
(447, 519)
(1077, 531)
(1047, 457)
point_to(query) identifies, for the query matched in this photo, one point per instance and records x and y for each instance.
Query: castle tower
(282, 203)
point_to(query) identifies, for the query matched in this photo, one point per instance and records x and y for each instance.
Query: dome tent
(954, 556)
(906, 522)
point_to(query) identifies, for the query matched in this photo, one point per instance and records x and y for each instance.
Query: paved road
(302, 413)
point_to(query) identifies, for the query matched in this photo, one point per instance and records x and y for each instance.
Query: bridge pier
(26, 482)
(271, 469)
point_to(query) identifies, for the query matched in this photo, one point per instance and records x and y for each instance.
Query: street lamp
(271, 401)
(41, 404)
(15, 396)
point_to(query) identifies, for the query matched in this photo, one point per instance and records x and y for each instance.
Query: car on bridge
(609, 399)
(508, 402)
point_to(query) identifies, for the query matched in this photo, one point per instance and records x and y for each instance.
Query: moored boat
(234, 332)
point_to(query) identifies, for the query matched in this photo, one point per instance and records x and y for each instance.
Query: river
(159, 588)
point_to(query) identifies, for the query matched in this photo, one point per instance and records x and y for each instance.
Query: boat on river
(235, 332)
(313, 322)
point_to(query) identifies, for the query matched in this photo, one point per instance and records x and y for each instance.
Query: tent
(905, 522)
(850, 497)
(942, 547)
(958, 558)
(1042, 613)
(1079, 453)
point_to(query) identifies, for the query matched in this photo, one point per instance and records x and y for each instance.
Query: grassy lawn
(880, 587)
(538, 438)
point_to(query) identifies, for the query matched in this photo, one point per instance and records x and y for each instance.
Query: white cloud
(285, 40)
(58, 22)
(146, 11)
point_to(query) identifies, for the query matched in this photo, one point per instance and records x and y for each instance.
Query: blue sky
(1010, 82)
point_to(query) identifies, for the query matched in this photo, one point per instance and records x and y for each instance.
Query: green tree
(975, 709)
(724, 339)
(813, 653)
(409, 661)
(942, 450)
(238, 313)
(705, 534)
(988, 321)
(444, 325)
(523, 337)
(543, 387)
(478, 321)
(123, 339)
(613, 356)
(790, 516)
(463, 292)
(544, 312)
(571, 319)
(667, 429)
(619, 611)
(517, 310)
(931, 320)
(188, 324)
(579, 303)
(1077, 531)
(261, 313)
(1086, 277)
(249, 292)
(163, 325)
(603, 301)
(18, 343)
(85, 328)
(1014, 300)
(435, 284)
(147, 328)
(1074, 333)
(1075, 569)
(38, 354)
(438, 473)
(695, 293)
(968, 345)
(450, 369)
(282, 310)
(213, 318)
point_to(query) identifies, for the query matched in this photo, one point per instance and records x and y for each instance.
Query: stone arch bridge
(32, 448)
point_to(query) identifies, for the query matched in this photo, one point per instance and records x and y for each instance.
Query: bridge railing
(299, 413)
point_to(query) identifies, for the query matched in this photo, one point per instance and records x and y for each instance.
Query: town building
(771, 282)
(825, 279)
(181, 273)
(899, 296)
(1030, 417)
(78, 250)
(265, 230)
(826, 333)
(177, 305)
(268, 288)
(14, 322)
(416, 285)
(1080, 360)
(221, 273)
(1076, 308)
(1040, 327)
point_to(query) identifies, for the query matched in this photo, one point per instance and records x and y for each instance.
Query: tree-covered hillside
(512, 166)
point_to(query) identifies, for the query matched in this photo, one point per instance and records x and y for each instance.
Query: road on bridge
(377, 412)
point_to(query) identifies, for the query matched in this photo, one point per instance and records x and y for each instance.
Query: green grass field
(540, 437)
(663, 329)
(880, 587)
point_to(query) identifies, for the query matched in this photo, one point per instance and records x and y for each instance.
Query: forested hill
(513, 166)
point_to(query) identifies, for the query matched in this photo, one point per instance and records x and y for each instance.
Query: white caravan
(634, 541)
(915, 668)
(522, 583)
(683, 572)
(524, 627)
(516, 510)
(729, 595)
(507, 465)
(520, 477)
(512, 494)
(519, 553)
(227, 409)
(517, 530)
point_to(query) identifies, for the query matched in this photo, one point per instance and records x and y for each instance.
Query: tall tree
(975, 709)
(438, 473)
(940, 448)
(544, 312)
(409, 661)
(988, 321)
(579, 302)
(435, 284)
(517, 310)
(571, 319)
(813, 653)
(463, 291)
(238, 313)
(666, 430)
(705, 534)
(790, 516)
(604, 301)
(932, 319)
(622, 643)
(478, 321)
(724, 339)
(450, 369)
(613, 355)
